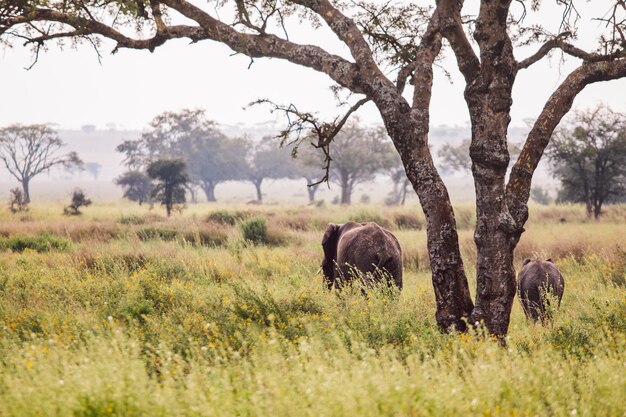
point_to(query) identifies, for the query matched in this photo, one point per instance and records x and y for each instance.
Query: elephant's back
(538, 273)
(367, 239)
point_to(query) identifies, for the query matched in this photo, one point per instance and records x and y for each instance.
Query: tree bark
(26, 190)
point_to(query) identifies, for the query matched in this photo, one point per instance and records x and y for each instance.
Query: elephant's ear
(549, 260)
(525, 261)
(329, 245)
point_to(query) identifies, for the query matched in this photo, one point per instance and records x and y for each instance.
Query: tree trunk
(193, 194)
(26, 190)
(209, 191)
(257, 186)
(311, 190)
(346, 190)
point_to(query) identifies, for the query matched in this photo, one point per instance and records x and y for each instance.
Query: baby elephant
(364, 250)
(536, 280)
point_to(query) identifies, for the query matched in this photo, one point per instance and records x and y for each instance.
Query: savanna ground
(123, 312)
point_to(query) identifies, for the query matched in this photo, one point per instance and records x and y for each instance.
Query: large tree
(29, 150)
(381, 37)
(588, 156)
(211, 157)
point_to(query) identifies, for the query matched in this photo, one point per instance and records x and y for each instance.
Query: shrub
(155, 233)
(226, 217)
(79, 199)
(42, 243)
(132, 219)
(17, 203)
(255, 230)
(368, 216)
(408, 221)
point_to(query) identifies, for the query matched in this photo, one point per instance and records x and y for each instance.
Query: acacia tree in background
(588, 156)
(137, 186)
(268, 161)
(381, 37)
(211, 157)
(357, 156)
(308, 164)
(29, 150)
(171, 181)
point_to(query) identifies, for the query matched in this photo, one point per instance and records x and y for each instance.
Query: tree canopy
(29, 150)
(588, 156)
(170, 182)
(391, 49)
(211, 157)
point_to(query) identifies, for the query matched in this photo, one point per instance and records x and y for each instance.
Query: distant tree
(134, 155)
(358, 154)
(88, 128)
(137, 186)
(29, 150)
(93, 168)
(171, 181)
(540, 196)
(266, 160)
(16, 201)
(401, 186)
(457, 158)
(216, 159)
(309, 164)
(588, 156)
(79, 199)
(211, 157)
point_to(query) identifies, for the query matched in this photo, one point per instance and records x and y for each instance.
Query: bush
(155, 233)
(255, 230)
(408, 221)
(367, 216)
(17, 202)
(226, 217)
(79, 199)
(42, 243)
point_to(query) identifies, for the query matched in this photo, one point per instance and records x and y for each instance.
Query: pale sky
(71, 88)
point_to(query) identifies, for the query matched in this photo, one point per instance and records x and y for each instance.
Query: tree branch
(558, 43)
(559, 103)
(452, 28)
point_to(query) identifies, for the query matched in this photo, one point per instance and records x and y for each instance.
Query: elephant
(363, 250)
(536, 279)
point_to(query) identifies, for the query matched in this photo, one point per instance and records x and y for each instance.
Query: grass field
(121, 312)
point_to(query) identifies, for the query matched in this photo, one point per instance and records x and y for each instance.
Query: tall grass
(133, 326)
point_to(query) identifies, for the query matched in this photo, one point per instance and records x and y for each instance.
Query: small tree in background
(540, 196)
(93, 168)
(29, 150)
(79, 199)
(589, 157)
(268, 161)
(17, 204)
(137, 186)
(171, 181)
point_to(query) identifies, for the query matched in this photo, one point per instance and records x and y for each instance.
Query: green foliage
(79, 199)
(171, 182)
(40, 243)
(588, 156)
(227, 217)
(255, 230)
(167, 327)
(137, 186)
(17, 203)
